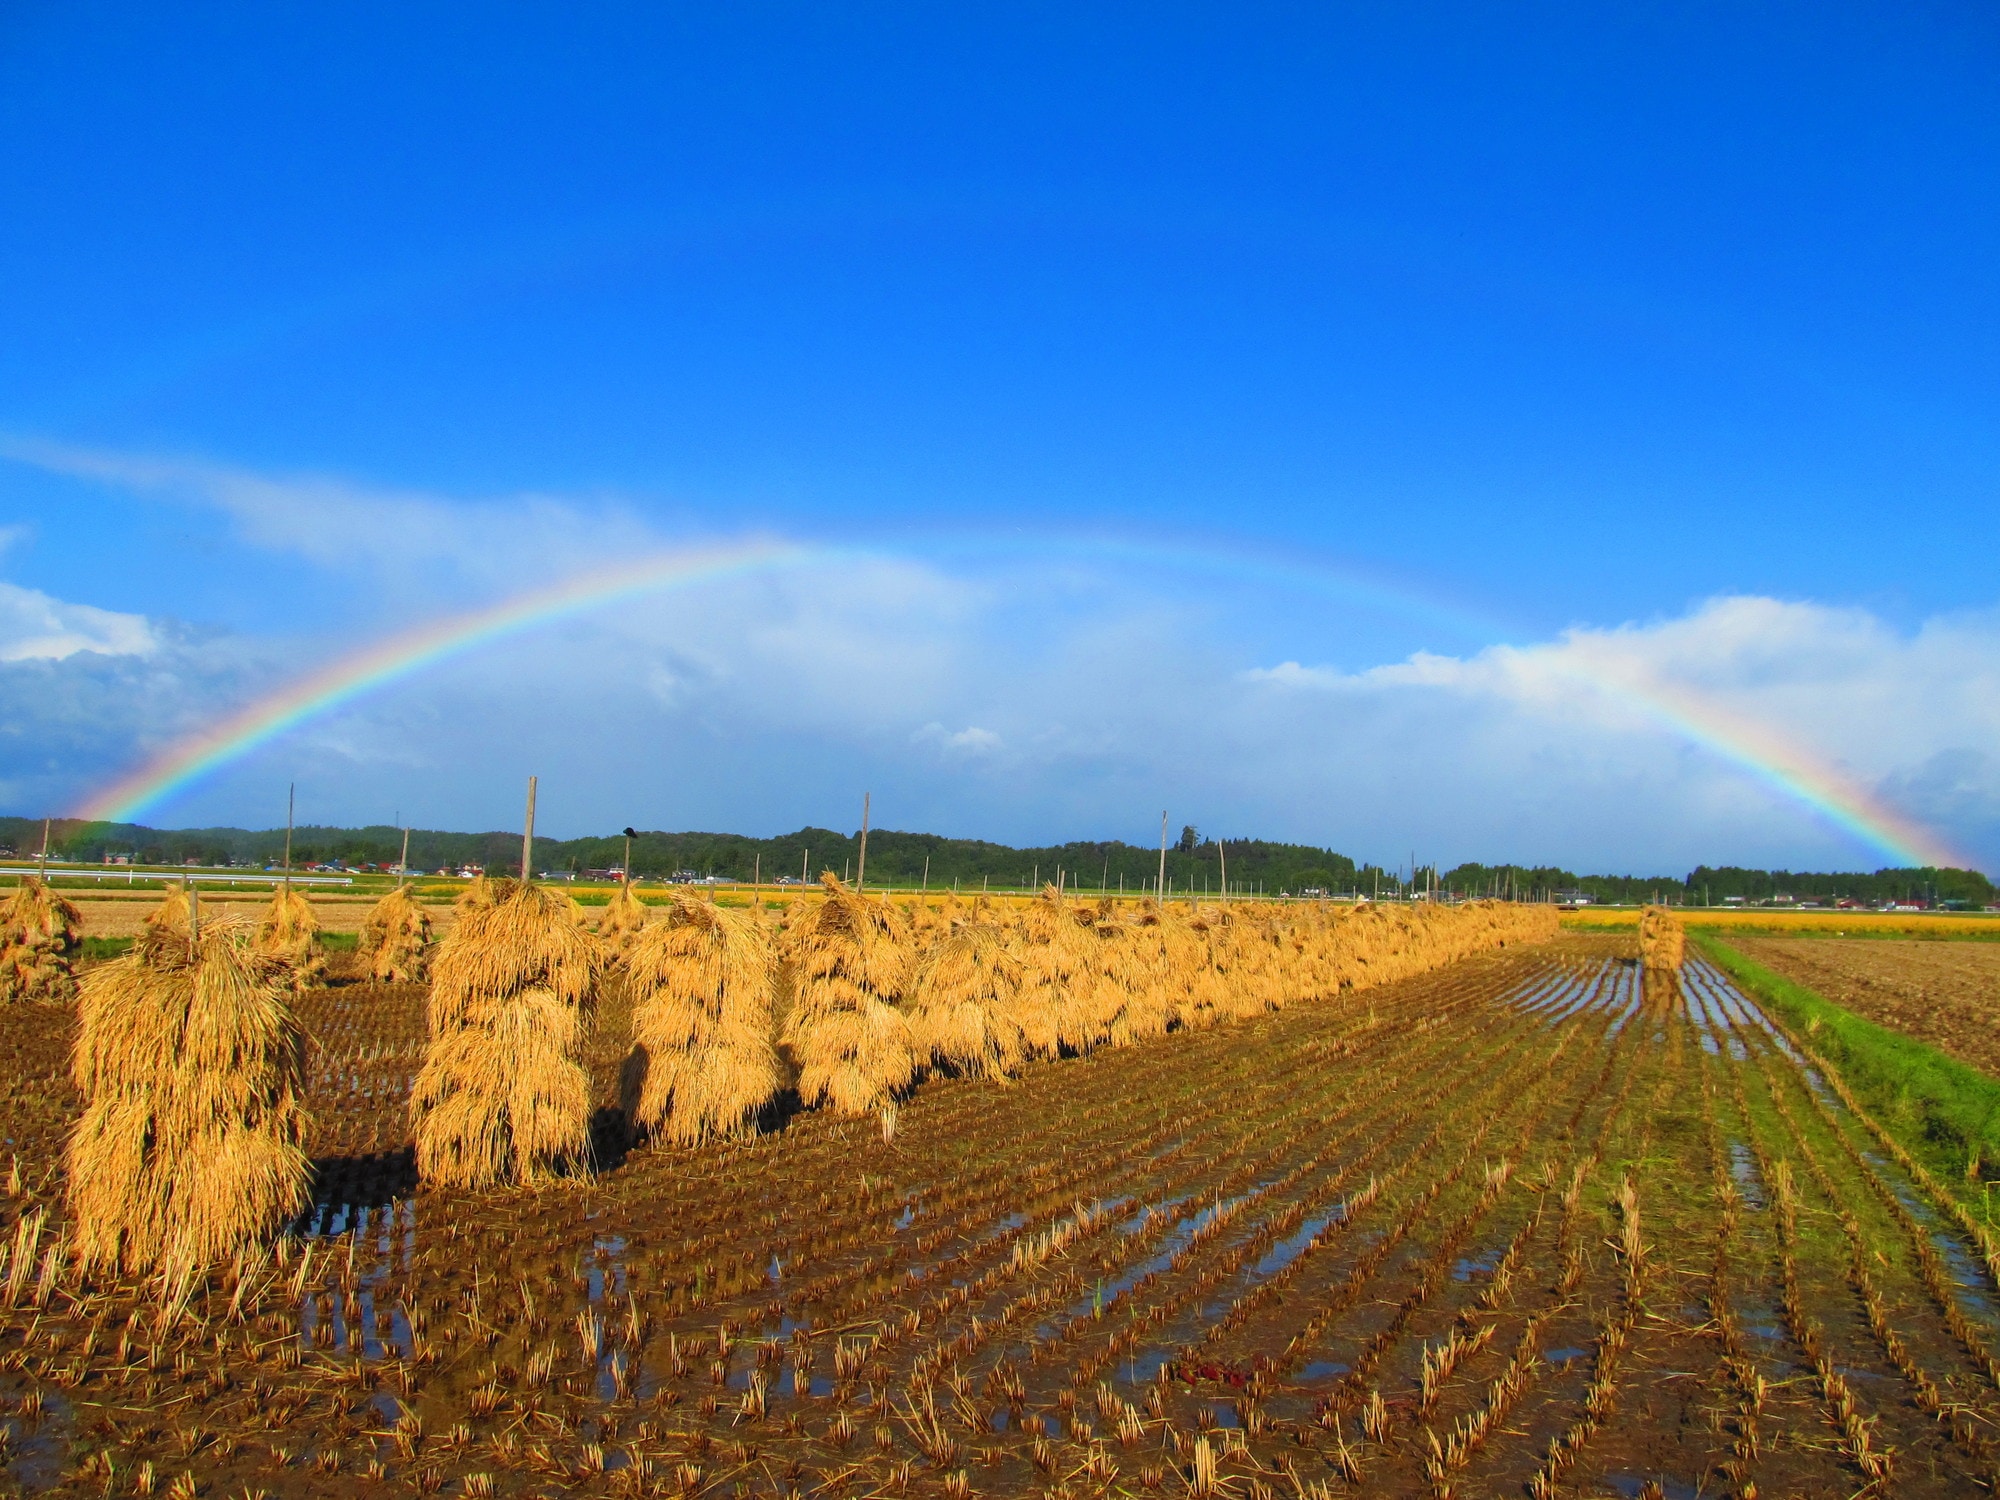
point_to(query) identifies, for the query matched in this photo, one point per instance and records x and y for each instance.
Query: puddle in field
(1632, 1485)
(1749, 1184)
(1324, 1369)
(1540, 992)
(1482, 1264)
(1626, 995)
(1970, 1279)
(1145, 1216)
(318, 1307)
(1707, 1022)
(1295, 1244)
(1566, 1354)
(1609, 986)
(39, 1451)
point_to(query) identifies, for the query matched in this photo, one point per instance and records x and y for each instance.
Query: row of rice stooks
(191, 1061)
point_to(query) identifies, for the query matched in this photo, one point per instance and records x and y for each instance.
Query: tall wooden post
(403, 865)
(528, 837)
(1222, 853)
(861, 867)
(1160, 891)
(291, 804)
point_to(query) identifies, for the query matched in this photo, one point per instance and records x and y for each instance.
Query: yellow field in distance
(1777, 919)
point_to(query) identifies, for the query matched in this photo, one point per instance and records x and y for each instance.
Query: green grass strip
(1943, 1111)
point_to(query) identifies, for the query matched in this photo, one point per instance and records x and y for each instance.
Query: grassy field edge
(1943, 1111)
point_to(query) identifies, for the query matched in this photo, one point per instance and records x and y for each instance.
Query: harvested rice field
(1532, 1223)
(1943, 993)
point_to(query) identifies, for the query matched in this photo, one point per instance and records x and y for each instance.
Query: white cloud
(412, 540)
(763, 705)
(36, 627)
(1834, 694)
(971, 740)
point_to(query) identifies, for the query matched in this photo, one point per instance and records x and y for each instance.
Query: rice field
(1539, 1221)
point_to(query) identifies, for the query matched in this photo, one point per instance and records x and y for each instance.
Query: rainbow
(1786, 767)
(1789, 769)
(354, 676)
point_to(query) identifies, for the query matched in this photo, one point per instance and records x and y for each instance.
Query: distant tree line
(1706, 885)
(1194, 862)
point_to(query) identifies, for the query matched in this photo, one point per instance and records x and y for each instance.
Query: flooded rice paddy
(1533, 1224)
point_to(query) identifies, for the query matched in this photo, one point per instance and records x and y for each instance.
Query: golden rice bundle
(624, 916)
(503, 1095)
(963, 1005)
(480, 894)
(40, 936)
(1132, 1001)
(1055, 1007)
(290, 933)
(171, 915)
(1662, 940)
(850, 969)
(191, 1066)
(396, 939)
(704, 1060)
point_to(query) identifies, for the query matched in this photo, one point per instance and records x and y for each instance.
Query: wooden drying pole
(403, 866)
(291, 805)
(861, 866)
(927, 874)
(528, 837)
(45, 850)
(625, 871)
(1160, 892)
(1222, 853)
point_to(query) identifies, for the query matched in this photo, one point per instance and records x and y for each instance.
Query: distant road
(131, 876)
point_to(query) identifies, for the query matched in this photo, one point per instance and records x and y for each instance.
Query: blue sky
(1516, 331)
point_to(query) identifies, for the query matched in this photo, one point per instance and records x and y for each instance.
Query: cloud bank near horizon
(1027, 703)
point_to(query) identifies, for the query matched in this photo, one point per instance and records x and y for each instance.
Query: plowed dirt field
(1944, 993)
